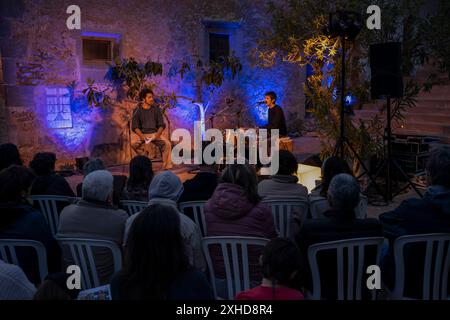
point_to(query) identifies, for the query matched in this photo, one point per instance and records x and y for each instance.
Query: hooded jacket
(431, 214)
(166, 188)
(282, 187)
(229, 213)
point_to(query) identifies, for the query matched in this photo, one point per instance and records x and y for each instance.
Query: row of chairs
(281, 209)
(235, 253)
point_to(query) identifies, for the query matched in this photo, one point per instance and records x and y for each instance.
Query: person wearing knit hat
(166, 188)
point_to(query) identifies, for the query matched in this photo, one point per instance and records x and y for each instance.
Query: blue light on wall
(70, 132)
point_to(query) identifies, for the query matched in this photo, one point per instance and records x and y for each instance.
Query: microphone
(260, 102)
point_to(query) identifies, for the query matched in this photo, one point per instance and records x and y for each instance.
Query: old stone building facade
(40, 56)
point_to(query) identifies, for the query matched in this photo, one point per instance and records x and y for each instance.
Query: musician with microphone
(276, 114)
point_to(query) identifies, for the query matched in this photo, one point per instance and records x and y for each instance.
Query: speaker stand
(342, 140)
(389, 161)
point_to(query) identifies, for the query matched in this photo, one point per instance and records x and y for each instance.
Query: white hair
(97, 185)
(344, 191)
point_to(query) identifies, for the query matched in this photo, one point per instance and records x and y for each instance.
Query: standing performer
(148, 124)
(276, 115)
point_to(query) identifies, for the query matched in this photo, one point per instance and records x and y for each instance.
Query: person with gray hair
(431, 214)
(343, 195)
(94, 217)
(340, 224)
(98, 186)
(118, 180)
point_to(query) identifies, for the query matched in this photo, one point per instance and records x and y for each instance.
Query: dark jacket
(201, 187)
(335, 228)
(52, 184)
(277, 120)
(415, 216)
(21, 221)
(229, 213)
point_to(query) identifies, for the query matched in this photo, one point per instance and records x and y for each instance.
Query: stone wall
(39, 52)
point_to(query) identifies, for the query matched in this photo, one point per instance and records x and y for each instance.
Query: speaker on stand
(387, 82)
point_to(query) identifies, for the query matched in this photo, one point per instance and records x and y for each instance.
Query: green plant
(131, 76)
(95, 96)
(298, 37)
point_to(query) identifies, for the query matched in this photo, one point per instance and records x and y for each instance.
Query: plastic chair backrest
(48, 205)
(133, 207)
(9, 255)
(83, 256)
(437, 254)
(234, 251)
(198, 214)
(282, 212)
(353, 288)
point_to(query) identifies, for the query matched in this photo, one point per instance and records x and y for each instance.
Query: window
(219, 46)
(59, 114)
(221, 39)
(97, 50)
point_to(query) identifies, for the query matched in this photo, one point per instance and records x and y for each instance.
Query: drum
(286, 143)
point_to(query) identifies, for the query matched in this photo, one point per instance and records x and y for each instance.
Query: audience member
(156, 263)
(235, 209)
(166, 188)
(94, 217)
(331, 166)
(280, 264)
(283, 185)
(9, 154)
(202, 186)
(14, 284)
(90, 166)
(19, 220)
(47, 182)
(118, 182)
(431, 214)
(343, 197)
(141, 174)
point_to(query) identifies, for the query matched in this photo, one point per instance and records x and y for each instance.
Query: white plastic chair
(133, 207)
(435, 279)
(9, 255)
(83, 256)
(355, 267)
(234, 251)
(318, 205)
(282, 212)
(48, 205)
(197, 210)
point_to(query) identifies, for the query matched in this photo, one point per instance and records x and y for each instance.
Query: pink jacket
(229, 213)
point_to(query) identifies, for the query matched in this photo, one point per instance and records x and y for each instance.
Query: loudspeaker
(385, 65)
